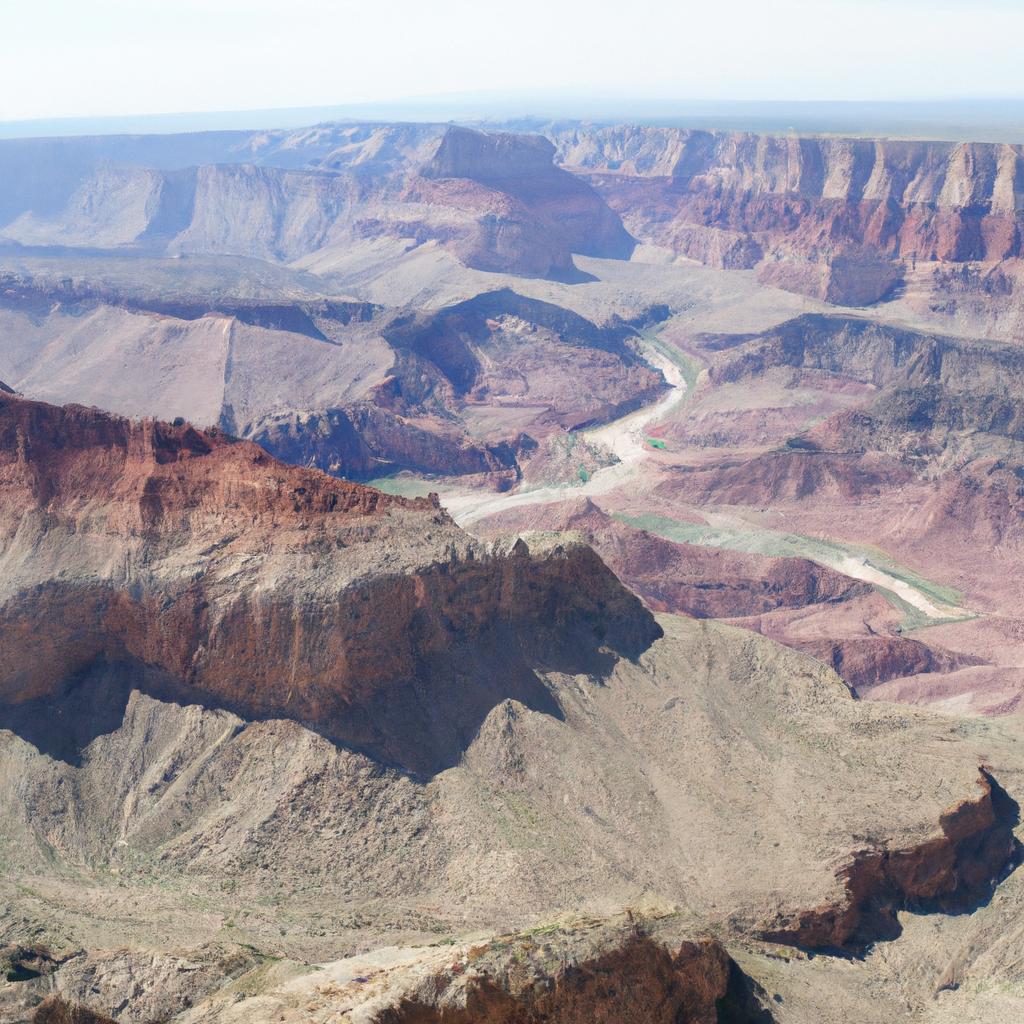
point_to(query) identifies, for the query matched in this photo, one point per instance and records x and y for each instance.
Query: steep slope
(496, 200)
(570, 214)
(849, 221)
(159, 524)
(831, 217)
(349, 387)
(264, 697)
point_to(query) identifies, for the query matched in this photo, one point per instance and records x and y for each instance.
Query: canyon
(469, 574)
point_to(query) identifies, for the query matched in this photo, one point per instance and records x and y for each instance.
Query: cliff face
(952, 872)
(735, 199)
(638, 982)
(944, 174)
(586, 972)
(350, 387)
(845, 220)
(495, 200)
(686, 579)
(568, 211)
(228, 578)
(929, 380)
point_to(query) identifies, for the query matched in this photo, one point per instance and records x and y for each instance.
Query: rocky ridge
(496, 199)
(261, 577)
(356, 389)
(516, 700)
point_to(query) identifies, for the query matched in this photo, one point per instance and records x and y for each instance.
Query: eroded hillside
(675, 678)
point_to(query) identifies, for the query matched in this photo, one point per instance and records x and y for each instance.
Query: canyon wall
(835, 218)
(230, 579)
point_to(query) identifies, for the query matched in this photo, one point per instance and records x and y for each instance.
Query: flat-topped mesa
(546, 213)
(946, 174)
(490, 156)
(215, 574)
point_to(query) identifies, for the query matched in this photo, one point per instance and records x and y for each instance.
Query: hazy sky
(95, 57)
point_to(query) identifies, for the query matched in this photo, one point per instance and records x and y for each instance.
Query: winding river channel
(627, 439)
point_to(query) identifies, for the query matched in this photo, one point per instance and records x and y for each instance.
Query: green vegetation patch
(403, 484)
(689, 367)
(777, 544)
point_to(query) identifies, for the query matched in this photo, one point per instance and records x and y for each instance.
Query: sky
(88, 58)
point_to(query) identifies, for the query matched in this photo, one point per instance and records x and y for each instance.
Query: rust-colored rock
(688, 579)
(951, 872)
(231, 579)
(810, 201)
(865, 662)
(640, 982)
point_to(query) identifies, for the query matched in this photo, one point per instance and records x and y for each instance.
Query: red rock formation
(772, 477)
(864, 662)
(815, 199)
(564, 211)
(689, 579)
(229, 578)
(847, 279)
(640, 982)
(950, 872)
(160, 478)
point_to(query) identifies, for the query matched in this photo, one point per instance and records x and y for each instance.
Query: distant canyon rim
(476, 575)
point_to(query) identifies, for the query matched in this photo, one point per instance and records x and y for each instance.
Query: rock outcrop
(57, 1010)
(349, 387)
(638, 982)
(731, 198)
(953, 872)
(865, 662)
(254, 718)
(568, 213)
(687, 579)
(846, 220)
(231, 579)
(496, 200)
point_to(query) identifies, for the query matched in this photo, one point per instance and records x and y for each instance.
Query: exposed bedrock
(849, 278)
(787, 475)
(640, 982)
(227, 578)
(349, 387)
(866, 661)
(364, 441)
(839, 219)
(404, 667)
(58, 1010)
(497, 200)
(593, 971)
(869, 352)
(690, 579)
(952, 873)
(522, 166)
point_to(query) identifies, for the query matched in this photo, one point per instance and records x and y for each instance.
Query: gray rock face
(283, 197)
